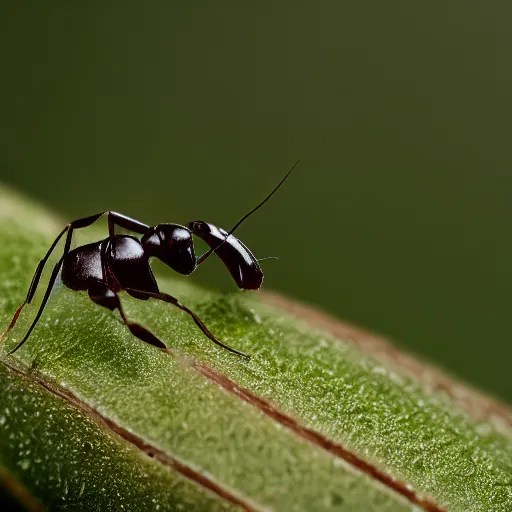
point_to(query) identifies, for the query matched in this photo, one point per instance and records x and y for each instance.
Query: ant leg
(101, 294)
(141, 294)
(118, 219)
(35, 281)
(43, 304)
(114, 218)
(51, 282)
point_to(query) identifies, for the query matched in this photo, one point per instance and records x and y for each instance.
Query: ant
(121, 262)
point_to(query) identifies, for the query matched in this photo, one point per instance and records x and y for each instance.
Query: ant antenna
(206, 254)
(268, 258)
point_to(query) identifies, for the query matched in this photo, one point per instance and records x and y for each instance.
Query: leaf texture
(98, 419)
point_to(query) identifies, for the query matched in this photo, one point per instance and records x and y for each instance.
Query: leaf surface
(309, 423)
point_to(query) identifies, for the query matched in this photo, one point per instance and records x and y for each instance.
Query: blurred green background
(398, 218)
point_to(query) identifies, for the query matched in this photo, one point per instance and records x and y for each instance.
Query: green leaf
(93, 419)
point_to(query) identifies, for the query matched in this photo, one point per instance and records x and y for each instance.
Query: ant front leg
(141, 294)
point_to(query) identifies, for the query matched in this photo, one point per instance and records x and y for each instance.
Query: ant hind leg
(33, 284)
(114, 219)
(49, 288)
(13, 322)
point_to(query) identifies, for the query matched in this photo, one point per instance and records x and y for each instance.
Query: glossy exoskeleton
(122, 262)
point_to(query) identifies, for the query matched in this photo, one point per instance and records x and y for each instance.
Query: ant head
(172, 244)
(238, 259)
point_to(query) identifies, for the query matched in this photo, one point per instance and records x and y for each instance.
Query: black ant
(121, 262)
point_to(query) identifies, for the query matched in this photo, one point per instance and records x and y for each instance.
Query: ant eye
(199, 226)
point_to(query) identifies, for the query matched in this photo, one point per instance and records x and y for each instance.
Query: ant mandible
(121, 262)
